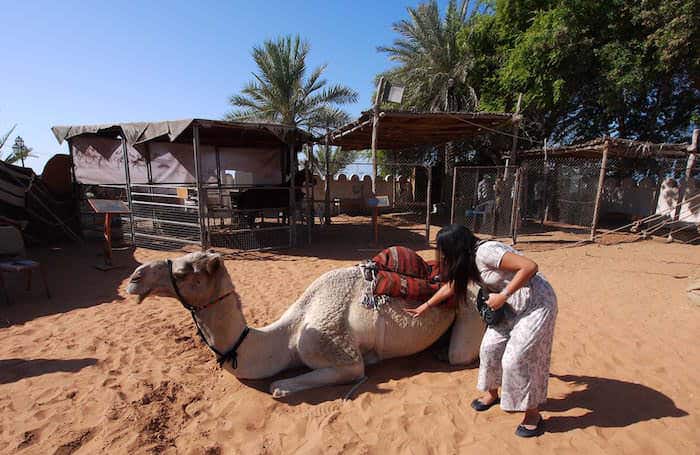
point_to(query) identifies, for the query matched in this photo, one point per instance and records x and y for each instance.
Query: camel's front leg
(317, 378)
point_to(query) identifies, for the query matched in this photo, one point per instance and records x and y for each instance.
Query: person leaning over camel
(515, 353)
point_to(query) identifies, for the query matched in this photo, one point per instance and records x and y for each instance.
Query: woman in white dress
(515, 353)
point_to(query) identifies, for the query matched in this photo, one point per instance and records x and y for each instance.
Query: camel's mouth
(134, 289)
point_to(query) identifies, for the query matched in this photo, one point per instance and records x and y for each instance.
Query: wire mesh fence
(483, 198)
(253, 217)
(561, 193)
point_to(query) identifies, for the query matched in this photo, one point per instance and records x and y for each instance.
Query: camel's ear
(209, 263)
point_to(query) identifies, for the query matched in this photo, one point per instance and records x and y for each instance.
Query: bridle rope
(221, 357)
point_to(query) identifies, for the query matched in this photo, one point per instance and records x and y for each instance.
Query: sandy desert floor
(92, 372)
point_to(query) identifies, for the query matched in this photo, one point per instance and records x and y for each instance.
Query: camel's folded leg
(317, 378)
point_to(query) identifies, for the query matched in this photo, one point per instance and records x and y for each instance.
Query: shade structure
(405, 129)
(212, 132)
(617, 148)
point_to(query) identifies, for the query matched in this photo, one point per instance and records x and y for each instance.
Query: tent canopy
(162, 152)
(211, 132)
(404, 129)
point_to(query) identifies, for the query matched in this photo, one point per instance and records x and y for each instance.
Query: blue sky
(96, 62)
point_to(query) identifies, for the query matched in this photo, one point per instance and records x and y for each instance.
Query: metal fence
(483, 198)
(165, 216)
(561, 194)
(254, 217)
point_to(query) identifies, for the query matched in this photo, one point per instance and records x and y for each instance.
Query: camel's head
(195, 275)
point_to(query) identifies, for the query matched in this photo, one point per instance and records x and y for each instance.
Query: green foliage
(5, 137)
(283, 90)
(339, 160)
(589, 68)
(20, 156)
(430, 64)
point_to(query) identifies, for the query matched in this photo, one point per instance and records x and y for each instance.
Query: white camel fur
(327, 329)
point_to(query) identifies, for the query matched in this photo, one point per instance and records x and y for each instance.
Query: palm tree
(282, 91)
(5, 137)
(432, 66)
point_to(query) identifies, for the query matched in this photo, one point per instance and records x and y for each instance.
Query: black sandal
(479, 406)
(529, 433)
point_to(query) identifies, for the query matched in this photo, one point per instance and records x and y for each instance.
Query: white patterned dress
(515, 353)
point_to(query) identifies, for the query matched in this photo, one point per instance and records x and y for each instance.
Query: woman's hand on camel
(496, 301)
(417, 311)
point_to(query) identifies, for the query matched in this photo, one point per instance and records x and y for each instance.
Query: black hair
(456, 248)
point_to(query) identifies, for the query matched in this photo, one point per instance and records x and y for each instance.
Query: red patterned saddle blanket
(400, 272)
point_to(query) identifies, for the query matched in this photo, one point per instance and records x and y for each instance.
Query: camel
(327, 329)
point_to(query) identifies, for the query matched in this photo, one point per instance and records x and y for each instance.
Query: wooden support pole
(599, 192)
(375, 128)
(515, 207)
(327, 189)
(127, 178)
(454, 188)
(201, 197)
(308, 175)
(545, 204)
(513, 158)
(292, 193)
(428, 203)
(689, 167)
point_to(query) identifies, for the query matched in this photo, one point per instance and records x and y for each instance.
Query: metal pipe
(201, 203)
(127, 177)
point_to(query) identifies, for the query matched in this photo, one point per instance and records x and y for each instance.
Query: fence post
(599, 192)
(428, 203)
(454, 186)
(327, 189)
(201, 197)
(127, 178)
(689, 166)
(291, 219)
(515, 207)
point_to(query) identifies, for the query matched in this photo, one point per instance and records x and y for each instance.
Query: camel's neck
(263, 353)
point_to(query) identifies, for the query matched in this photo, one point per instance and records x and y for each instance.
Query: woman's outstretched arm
(444, 293)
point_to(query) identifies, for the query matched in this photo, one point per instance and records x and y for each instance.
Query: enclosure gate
(484, 198)
(165, 216)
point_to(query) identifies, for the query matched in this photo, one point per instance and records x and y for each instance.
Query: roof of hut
(618, 148)
(211, 132)
(404, 129)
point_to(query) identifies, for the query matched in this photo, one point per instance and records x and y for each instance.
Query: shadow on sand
(72, 278)
(611, 404)
(378, 374)
(13, 370)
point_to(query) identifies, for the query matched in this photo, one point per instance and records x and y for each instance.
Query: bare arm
(524, 269)
(444, 293)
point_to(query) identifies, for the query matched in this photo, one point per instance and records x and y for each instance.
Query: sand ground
(92, 372)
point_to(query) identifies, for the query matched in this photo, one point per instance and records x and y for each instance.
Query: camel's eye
(180, 275)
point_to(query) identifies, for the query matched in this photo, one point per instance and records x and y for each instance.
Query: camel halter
(221, 358)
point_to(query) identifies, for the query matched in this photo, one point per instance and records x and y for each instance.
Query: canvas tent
(162, 152)
(170, 173)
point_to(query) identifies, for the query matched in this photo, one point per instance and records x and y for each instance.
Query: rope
(354, 388)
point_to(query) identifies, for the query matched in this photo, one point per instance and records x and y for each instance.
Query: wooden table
(109, 207)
